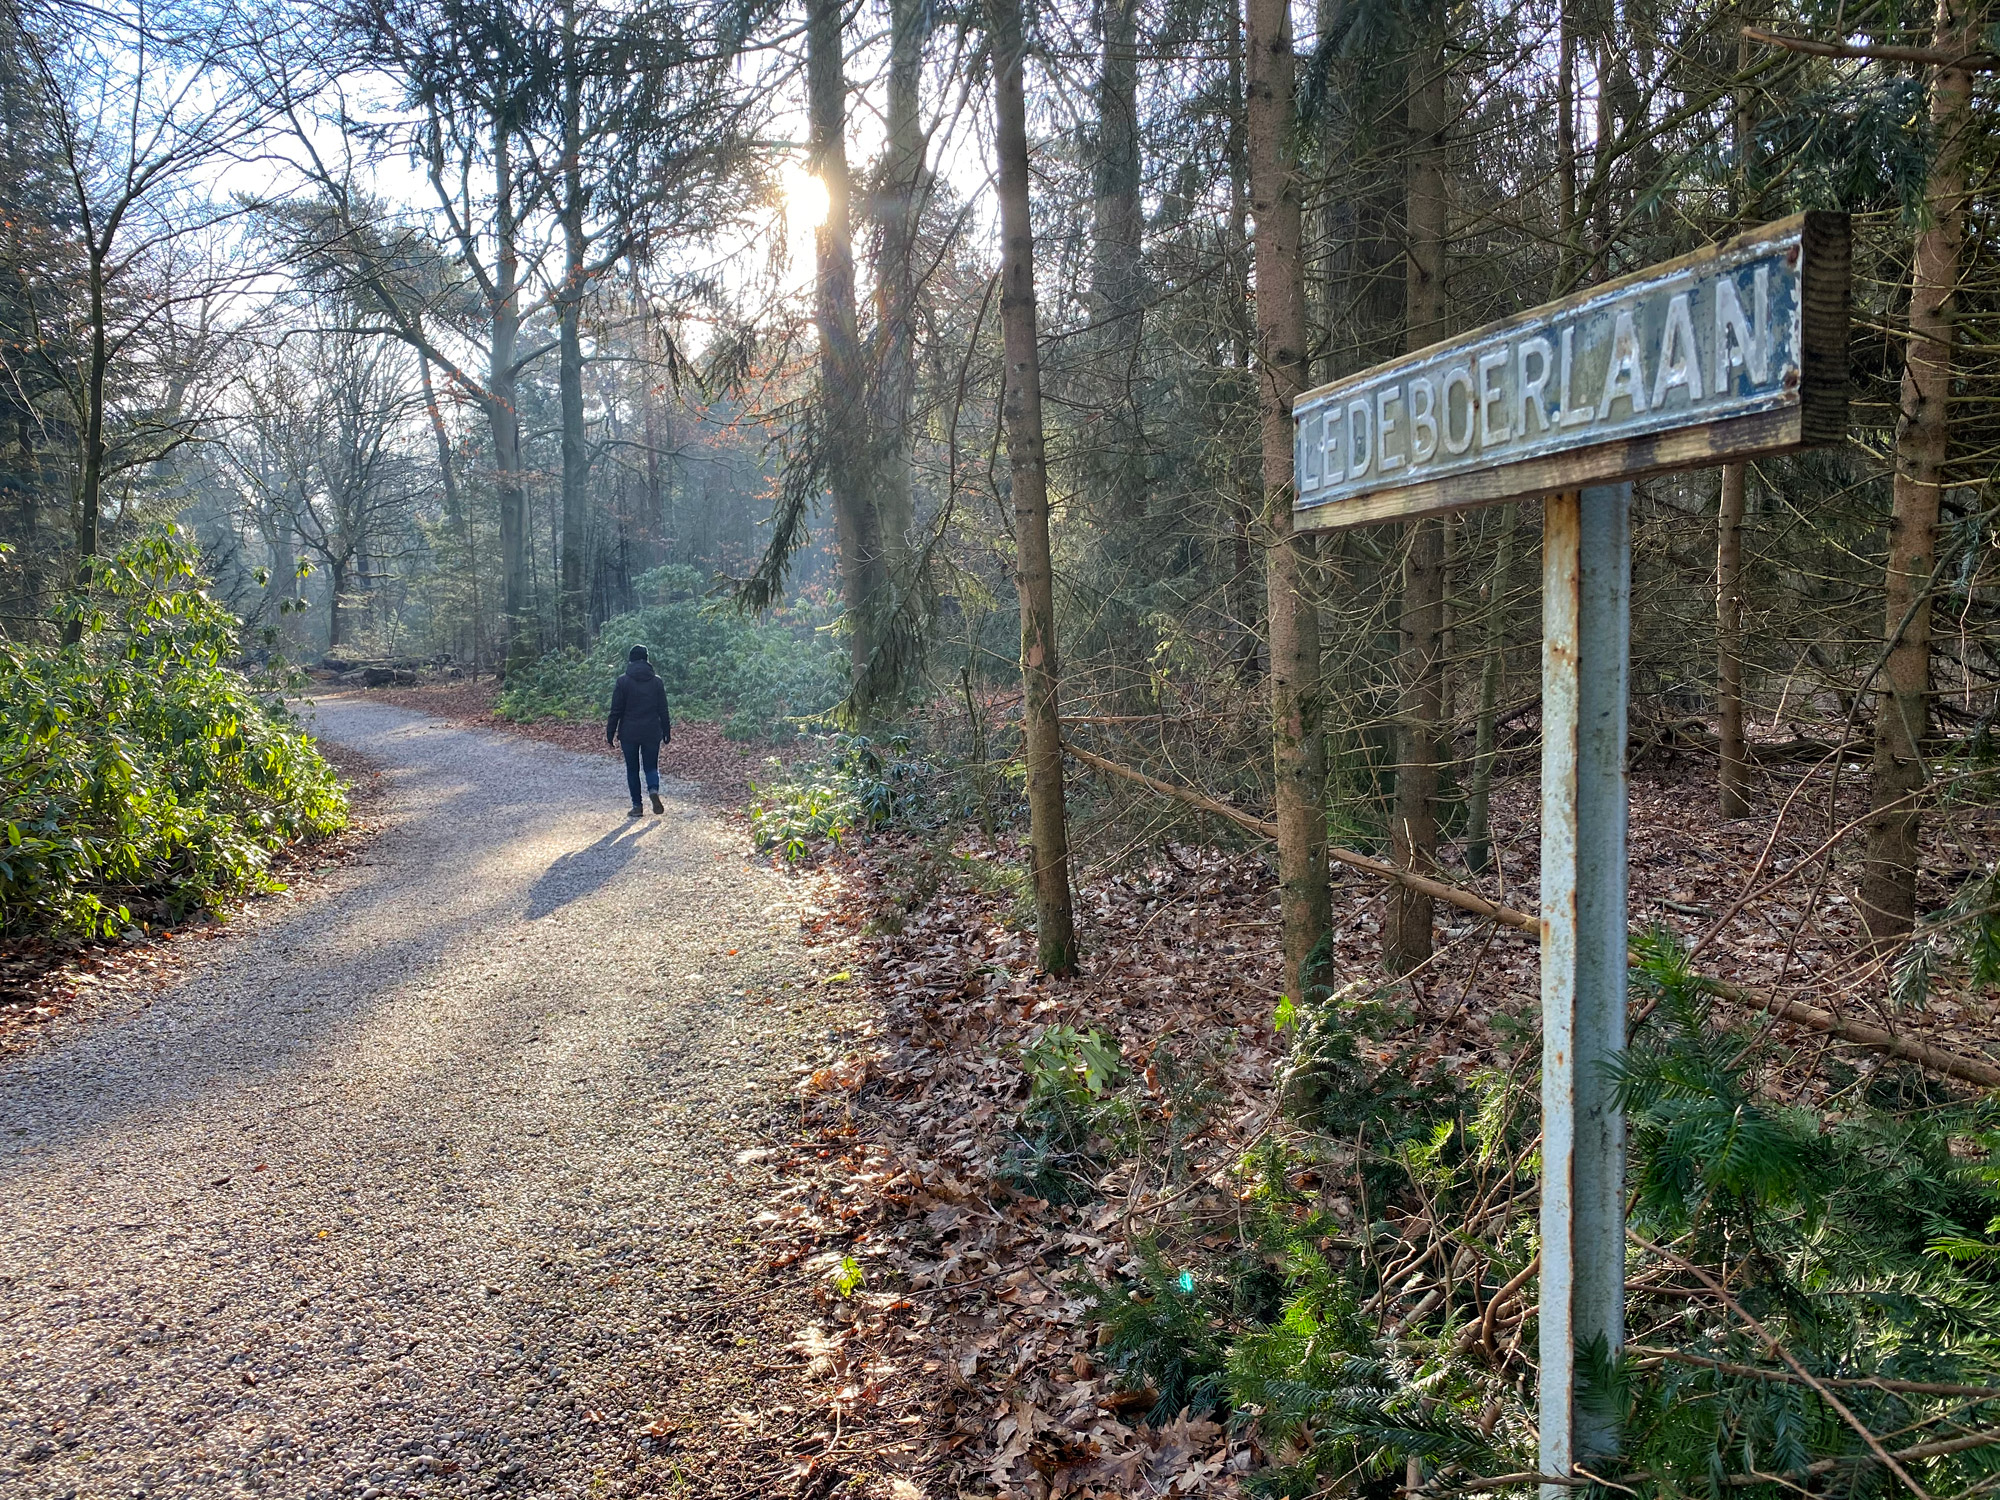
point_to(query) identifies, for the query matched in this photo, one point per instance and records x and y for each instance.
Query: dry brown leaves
(968, 1328)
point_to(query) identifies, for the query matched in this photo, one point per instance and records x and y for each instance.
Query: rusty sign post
(1735, 352)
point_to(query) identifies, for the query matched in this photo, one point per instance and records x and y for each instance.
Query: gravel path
(420, 1186)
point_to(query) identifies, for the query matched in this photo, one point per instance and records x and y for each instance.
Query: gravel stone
(411, 1186)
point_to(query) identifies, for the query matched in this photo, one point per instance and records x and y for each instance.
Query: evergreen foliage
(1862, 1235)
(1075, 1115)
(855, 786)
(758, 678)
(141, 775)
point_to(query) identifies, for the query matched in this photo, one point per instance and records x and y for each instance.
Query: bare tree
(134, 122)
(325, 455)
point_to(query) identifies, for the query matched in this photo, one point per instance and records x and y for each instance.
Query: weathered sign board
(1733, 352)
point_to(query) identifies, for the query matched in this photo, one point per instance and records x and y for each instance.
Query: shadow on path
(587, 870)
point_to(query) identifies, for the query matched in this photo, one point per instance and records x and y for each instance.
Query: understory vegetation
(1796, 1275)
(1293, 1251)
(761, 679)
(142, 776)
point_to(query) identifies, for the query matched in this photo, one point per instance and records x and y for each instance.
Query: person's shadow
(587, 870)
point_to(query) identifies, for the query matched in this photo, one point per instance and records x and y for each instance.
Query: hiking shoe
(658, 805)
(636, 812)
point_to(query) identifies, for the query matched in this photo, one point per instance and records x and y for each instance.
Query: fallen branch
(1188, 795)
(1784, 1377)
(1950, 1064)
(1452, 895)
(1932, 57)
(1939, 1449)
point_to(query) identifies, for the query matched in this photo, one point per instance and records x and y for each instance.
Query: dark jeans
(637, 747)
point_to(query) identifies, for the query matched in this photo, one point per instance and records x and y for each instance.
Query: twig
(1908, 1387)
(1492, 1313)
(1771, 1343)
(1939, 1449)
(1509, 1481)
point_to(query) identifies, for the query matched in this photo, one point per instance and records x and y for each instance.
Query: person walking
(639, 721)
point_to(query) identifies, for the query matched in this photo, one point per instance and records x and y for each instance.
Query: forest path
(423, 1184)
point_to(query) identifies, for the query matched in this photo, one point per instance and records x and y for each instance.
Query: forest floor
(934, 1189)
(846, 1285)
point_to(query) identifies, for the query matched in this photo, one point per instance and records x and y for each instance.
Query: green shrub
(855, 786)
(756, 678)
(139, 773)
(1075, 1117)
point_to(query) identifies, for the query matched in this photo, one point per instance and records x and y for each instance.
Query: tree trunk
(336, 610)
(895, 284)
(1245, 481)
(1735, 776)
(281, 583)
(1117, 286)
(572, 618)
(90, 486)
(447, 473)
(1034, 574)
(1492, 675)
(843, 412)
(1298, 744)
(1569, 251)
(1902, 705)
(1406, 936)
(503, 412)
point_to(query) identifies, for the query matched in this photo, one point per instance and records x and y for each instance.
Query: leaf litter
(966, 1361)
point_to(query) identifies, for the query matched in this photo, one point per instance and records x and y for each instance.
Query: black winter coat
(639, 706)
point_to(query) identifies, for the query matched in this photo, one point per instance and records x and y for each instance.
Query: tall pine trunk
(1298, 744)
(1034, 573)
(1116, 276)
(572, 613)
(1245, 480)
(895, 284)
(1733, 782)
(844, 439)
(1406, 936)
(503, 413)
(1492, 676)
(1902, 703)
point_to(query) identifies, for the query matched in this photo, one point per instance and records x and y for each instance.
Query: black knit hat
(637, 653)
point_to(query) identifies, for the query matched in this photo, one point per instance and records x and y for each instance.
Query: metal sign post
(1734, 352)
(1586, 635)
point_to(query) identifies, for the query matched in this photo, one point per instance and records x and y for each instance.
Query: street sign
(1730, 353)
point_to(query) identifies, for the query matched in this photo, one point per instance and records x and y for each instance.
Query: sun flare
(806, 202)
